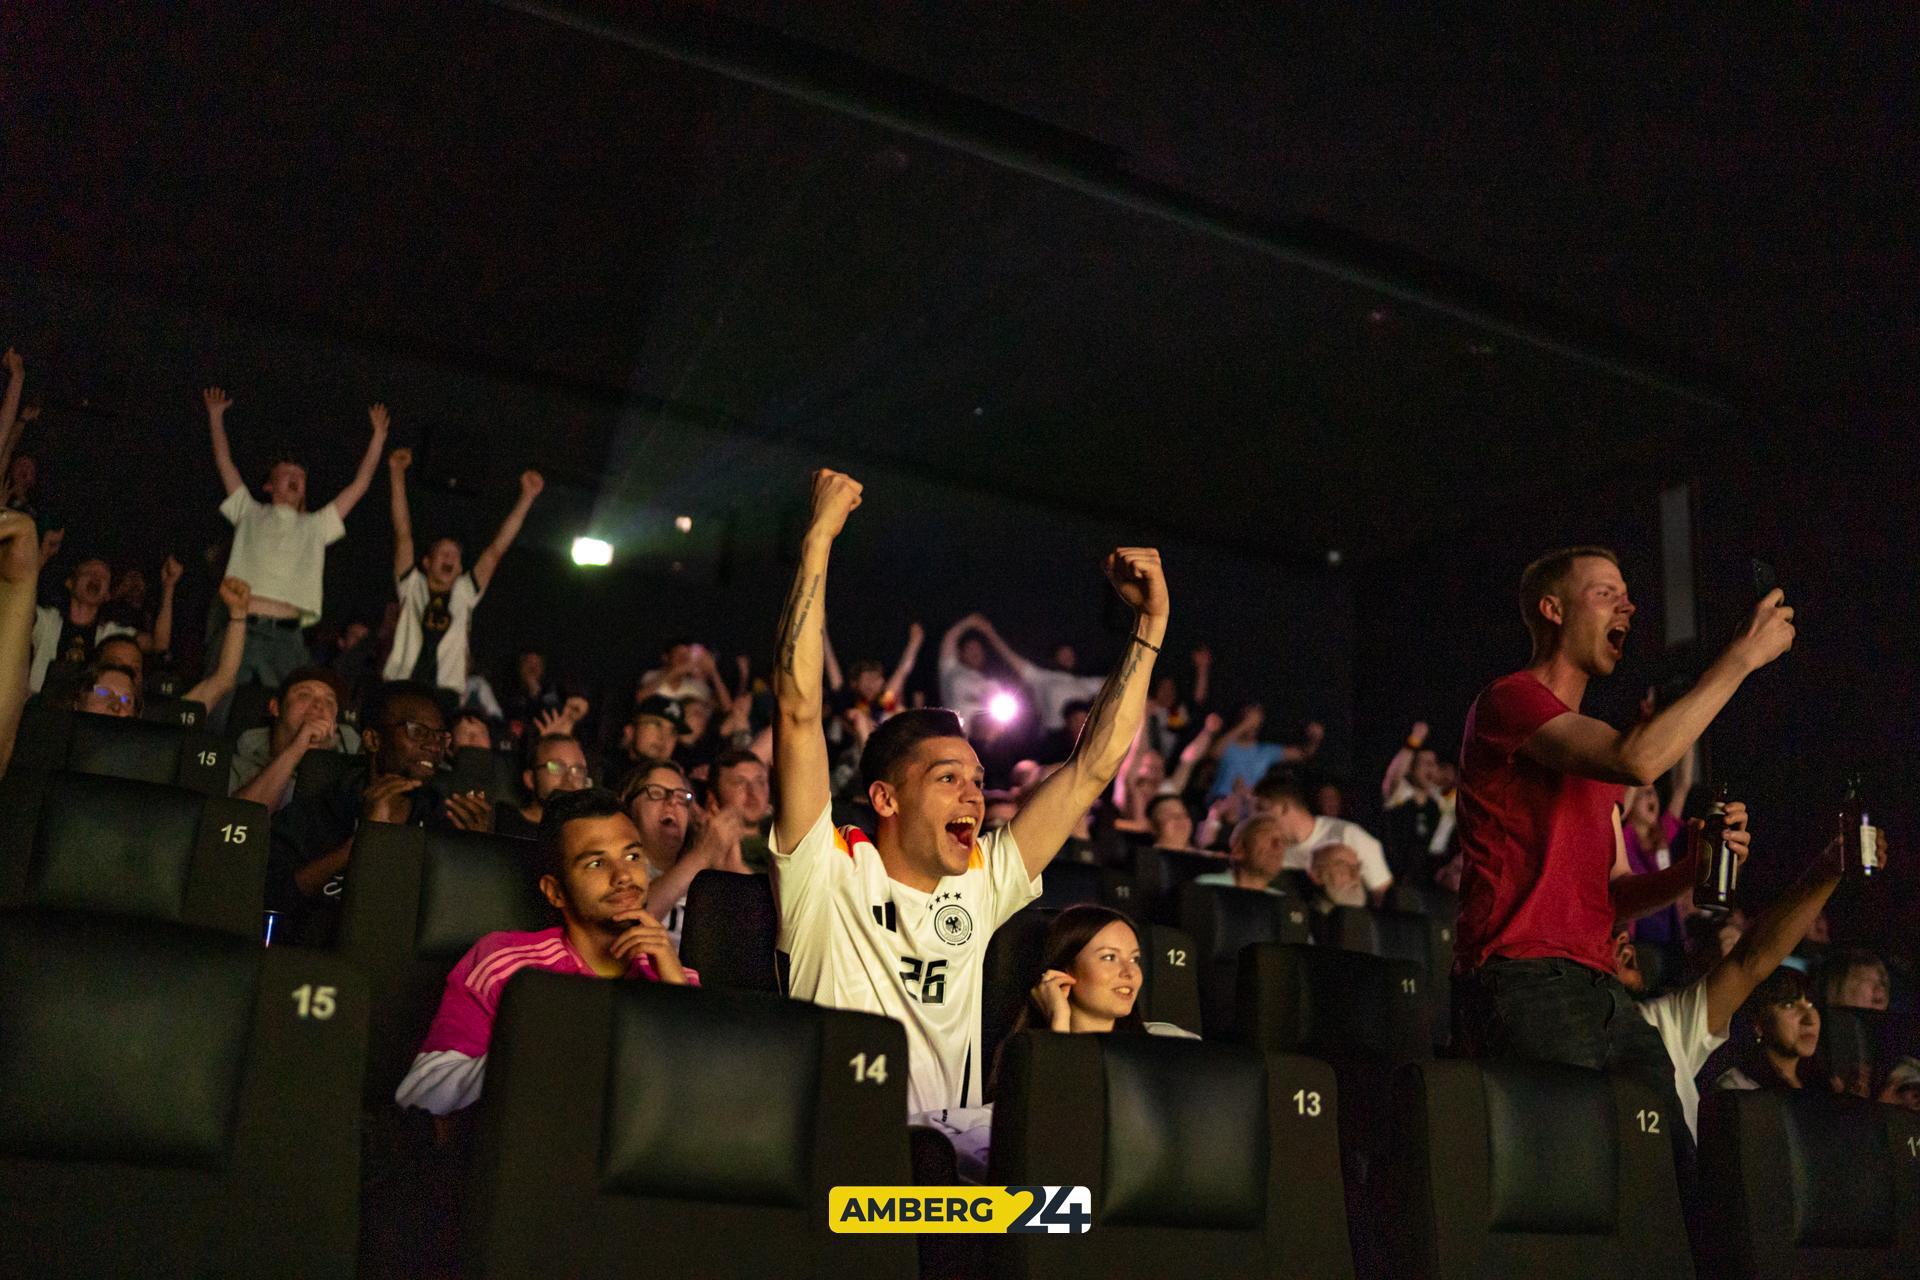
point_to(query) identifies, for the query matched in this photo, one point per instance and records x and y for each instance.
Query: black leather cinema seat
(1803, 1184)
(1158, 875)
(177, 1102)
(1068, 883)
(730, 931)
(415, 902)
(1221, 921)
(630, 1127)
(1533, 1169)
(80, 842)
(114, 747)
(1401, 935)
(1365, 1017)
(1203, 1159)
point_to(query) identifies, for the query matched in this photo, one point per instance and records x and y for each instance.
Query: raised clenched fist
(835, 495)
(1136, 574)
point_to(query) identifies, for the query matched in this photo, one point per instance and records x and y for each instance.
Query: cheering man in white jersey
(898, 923)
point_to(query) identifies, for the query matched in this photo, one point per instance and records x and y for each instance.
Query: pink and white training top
(447, 1072)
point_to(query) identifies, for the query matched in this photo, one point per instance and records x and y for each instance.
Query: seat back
(1798, 1183)
(179, 1102)
(415, 902)
(1158, 875)
(249, 708)
(1402, 935)
(730, 931)
(53, 737)
(1332, 1004)
(709, 1125)
(1068, 883)
(1221, 921)
(1198, 1156)
(167, 709)
(1171, 992)
(82, 842)
(1527, 1168)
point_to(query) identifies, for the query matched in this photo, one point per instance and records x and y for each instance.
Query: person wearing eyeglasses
(682, 838)
(555, 764)
(113, 687)
(405, 739)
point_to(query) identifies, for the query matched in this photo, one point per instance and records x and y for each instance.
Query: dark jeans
(1559, 1011)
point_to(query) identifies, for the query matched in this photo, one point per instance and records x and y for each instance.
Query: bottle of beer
(1858, 839)
(1719, 869)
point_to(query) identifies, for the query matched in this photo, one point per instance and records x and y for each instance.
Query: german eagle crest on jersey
(951, 922)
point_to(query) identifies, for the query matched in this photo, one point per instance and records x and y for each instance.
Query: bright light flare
(1003, 707)
(592, 551)
(683, 523)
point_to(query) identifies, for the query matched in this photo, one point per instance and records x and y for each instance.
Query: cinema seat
(56, 738)
(1202, 1159)
(1511, 1169)
(184, 712)
(1802, 1184)
(80, 842)
(1158, 875)
(415, 901)
(636, 1127)
(730, 931)
(1068, 883)
(1401, 935)
(1221, 921)
(248, 708)
(177, 1102)
(1365, 1017)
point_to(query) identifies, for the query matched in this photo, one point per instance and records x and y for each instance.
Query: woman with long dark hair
(1088, 983)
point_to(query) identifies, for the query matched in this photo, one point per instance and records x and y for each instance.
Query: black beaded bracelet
(1146, 644)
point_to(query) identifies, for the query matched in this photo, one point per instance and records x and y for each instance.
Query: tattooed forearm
(793, 618)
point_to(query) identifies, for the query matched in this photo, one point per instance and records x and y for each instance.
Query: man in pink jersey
(597, 879)
(1539, 827)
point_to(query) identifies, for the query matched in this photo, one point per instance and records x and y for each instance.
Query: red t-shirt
(1536, 845)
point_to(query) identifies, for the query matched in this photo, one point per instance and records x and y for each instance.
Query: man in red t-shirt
(1540, 831)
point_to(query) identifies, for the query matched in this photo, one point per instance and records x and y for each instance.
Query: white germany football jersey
(858, 939)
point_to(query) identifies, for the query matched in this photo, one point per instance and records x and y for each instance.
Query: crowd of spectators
(756, 767)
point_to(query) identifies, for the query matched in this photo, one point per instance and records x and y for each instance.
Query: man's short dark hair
(531, 744)
(1547, 576)
(732, 758)
(895, 740)
(1282, 784)
(380, 702)
(865, 665)
(570, 806)
(1165, 797)
(314, 675)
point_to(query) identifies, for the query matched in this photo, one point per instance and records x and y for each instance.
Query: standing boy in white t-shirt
(280, 548)
(898, 923)
(436, 598)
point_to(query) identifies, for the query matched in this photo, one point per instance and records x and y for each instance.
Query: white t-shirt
(450, 620)
(42, 644)
(964, 691)
(1681, 1019)
(1053, 690)
(860, 940)
(1326, 831)
(279, 552)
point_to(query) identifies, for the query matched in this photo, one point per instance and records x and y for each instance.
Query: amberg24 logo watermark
(960, 1210)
